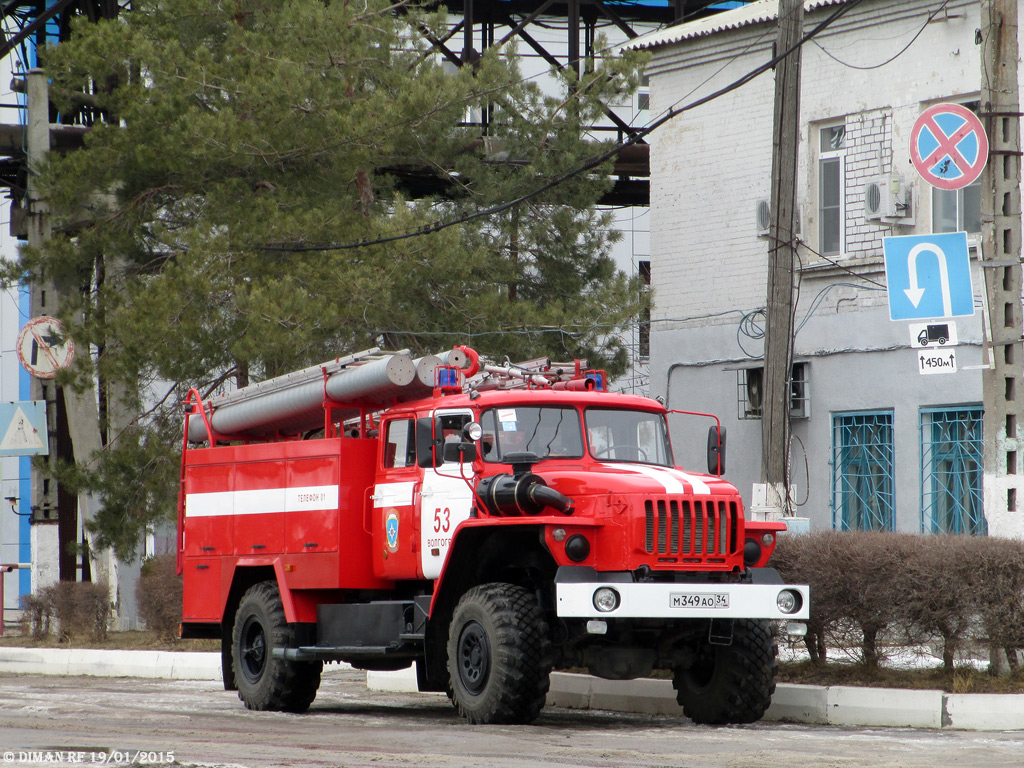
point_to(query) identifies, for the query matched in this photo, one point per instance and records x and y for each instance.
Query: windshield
(616, 435)
(546, 432)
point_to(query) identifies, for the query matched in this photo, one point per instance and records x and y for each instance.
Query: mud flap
(720, 631)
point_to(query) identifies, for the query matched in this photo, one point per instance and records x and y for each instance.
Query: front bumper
(646, 600)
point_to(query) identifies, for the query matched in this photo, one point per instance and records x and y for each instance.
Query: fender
(467, 535)
(299, 606)
(755, 530)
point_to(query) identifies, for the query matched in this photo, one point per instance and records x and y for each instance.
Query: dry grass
(964, 679)
(124, 641)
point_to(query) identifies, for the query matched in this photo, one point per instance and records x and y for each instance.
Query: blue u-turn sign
(928, 276)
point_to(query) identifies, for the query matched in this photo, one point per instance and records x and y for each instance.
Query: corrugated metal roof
(755, 13)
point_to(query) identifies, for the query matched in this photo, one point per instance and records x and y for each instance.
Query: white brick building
(875, 444)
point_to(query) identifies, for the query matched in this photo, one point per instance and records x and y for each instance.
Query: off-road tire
(499, 655)
(227, 667)
(730, 683)
(264, 681)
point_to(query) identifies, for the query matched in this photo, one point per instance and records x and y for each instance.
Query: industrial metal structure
(475, 26)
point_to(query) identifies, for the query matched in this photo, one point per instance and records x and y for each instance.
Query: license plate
(699, 600)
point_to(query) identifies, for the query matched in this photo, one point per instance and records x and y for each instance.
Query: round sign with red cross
(948, 146)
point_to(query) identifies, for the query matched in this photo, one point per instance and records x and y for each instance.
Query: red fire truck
(486, 522)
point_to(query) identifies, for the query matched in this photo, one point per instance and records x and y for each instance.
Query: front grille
(690, 529)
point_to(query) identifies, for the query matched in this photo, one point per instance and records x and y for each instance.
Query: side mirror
(427, 454)
(716, 451)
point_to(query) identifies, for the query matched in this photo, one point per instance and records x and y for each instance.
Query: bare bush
(36, 616)
(940, 592)
(999, 584)
(159, 595)
(961, 591)
(75, 609)
(80, 608)
(855, 581)
(805, 560)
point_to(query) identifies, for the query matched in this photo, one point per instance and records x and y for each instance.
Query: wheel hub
(254, 650)
(474, 657)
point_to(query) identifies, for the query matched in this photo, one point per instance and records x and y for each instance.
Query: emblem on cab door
(391, 530)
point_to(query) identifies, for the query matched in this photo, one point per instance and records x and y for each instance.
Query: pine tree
(240, 142)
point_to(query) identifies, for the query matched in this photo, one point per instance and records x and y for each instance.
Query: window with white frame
(958, 210)
(643, 94)
(831, 189)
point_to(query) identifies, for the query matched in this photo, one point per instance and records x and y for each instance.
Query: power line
(565, 330)
(816, 303)
(895, 56)
(837, 265)
(585, 166)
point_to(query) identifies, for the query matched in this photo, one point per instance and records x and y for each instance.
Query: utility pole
(72, 417)
(1001, 267)
(778, 357)
(52, 530)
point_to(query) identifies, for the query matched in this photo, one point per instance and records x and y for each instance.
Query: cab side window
(400, 446)
(452, 425)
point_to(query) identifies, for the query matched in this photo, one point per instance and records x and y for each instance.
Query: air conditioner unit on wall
(750, 394)
(763, 217)
(889, 199)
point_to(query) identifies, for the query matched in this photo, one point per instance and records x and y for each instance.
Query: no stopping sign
(43, 349)
(949, 146)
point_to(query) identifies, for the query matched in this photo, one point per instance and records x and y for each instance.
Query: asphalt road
(122, 721)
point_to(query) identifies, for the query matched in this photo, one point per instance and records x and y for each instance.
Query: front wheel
(730, 683)
(499, 657)
(264, 681)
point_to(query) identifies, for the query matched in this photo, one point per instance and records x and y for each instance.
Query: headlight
(789, 601)
(768, 539)
(606, 599)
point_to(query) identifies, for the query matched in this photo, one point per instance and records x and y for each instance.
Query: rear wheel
(264, 681)
(499, 658)
(730, 683)
(227, 666)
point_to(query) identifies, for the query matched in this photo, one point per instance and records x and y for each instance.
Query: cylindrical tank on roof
(454, 357)
(299, 407)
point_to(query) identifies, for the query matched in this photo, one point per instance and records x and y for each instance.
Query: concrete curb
(164, 665)
(821, 705)
(814, 704)
(167, 665)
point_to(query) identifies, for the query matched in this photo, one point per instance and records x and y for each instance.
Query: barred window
(862, 471)
(951, 471)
